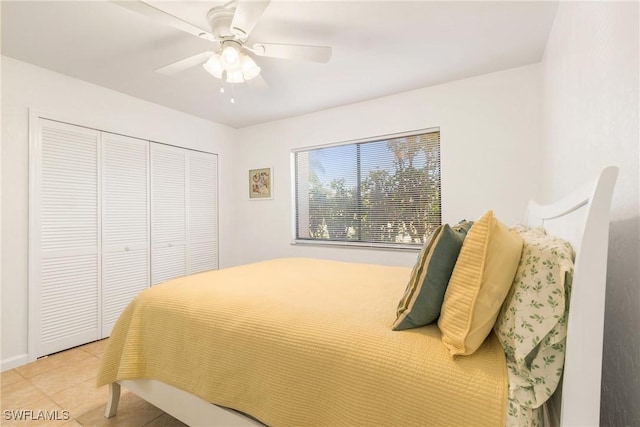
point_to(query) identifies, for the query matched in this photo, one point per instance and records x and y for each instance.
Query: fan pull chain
(222, 90)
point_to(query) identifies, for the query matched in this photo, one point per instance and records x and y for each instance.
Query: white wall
(1, 198)
(26, 86)
(590, 82)
(490, 152)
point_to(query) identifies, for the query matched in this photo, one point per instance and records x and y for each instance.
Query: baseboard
(14, 362)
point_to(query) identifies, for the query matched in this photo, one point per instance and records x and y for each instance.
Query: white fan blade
(246, 16)
(293, 51)
(184, 64)
(258, 83)
(163, 17)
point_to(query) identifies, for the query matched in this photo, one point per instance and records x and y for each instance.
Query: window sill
(358, 245)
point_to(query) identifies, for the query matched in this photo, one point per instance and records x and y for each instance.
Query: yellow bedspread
(304, 342)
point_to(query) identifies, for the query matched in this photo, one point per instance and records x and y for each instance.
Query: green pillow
(423, 297)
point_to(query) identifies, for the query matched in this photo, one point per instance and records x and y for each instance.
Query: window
(377, 192)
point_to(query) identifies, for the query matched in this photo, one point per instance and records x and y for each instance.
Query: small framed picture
(260, 184)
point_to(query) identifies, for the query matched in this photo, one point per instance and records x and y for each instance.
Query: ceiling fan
(231, 25)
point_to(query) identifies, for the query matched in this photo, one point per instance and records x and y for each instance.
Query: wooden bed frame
(582, 218)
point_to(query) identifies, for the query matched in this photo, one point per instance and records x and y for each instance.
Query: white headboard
(582, 218)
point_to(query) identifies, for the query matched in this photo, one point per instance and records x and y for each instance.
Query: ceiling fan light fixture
(230, 58)
(250, 69)
(214, 66)
(235, 76)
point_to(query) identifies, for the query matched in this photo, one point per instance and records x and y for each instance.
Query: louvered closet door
(202, 212)
(125, 224)
(168, 213)
(66, 242)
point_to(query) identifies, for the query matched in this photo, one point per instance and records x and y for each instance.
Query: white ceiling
(379, 48)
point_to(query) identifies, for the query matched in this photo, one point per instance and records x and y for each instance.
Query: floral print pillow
(532, 325)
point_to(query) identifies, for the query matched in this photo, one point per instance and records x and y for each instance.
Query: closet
(184, 203)
(125, 224)
(110, 215)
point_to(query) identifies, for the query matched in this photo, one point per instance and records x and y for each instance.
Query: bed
(267, 349)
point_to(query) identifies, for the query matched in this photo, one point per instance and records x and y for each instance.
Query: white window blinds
(383, 191)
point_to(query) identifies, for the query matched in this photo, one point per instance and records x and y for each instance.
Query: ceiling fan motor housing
(220, 20)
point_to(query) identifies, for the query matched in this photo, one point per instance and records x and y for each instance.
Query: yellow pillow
(479, 284)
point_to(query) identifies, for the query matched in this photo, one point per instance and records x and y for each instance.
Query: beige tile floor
(66, 381)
